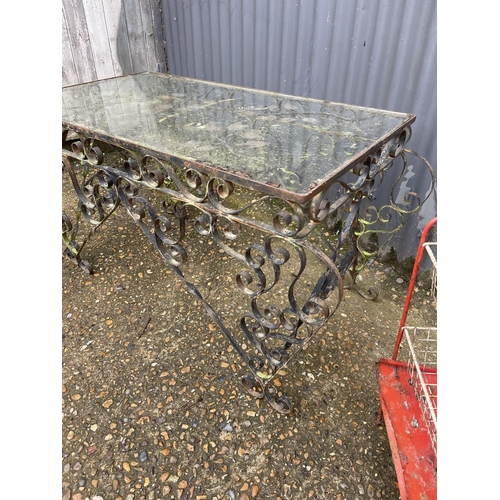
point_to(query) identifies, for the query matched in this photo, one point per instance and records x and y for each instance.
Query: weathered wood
(79, 40)
(156, 41)
(107, 38)
(104, 59)
(69, 71)
(131, 12)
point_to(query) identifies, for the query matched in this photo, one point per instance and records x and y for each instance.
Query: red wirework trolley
(408, 392)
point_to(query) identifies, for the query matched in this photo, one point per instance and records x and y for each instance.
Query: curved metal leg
(290, 284)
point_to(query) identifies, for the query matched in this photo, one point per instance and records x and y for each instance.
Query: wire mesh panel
(422, 367)
(431, 249)
(408, 383)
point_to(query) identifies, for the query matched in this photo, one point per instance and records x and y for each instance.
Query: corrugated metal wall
(106, 38)
(374, 53)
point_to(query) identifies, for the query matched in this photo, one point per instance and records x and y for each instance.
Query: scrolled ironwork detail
(281, 317)
(373, 221)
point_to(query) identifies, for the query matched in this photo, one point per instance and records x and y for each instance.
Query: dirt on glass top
(284, 141)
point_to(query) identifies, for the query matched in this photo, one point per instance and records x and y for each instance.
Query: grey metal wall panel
(374, 53)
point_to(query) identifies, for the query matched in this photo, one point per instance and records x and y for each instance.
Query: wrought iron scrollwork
(283, 314)
(97, 199)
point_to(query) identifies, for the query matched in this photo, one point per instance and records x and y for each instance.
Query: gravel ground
(152, 406)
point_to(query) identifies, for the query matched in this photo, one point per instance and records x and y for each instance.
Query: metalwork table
(276, 181)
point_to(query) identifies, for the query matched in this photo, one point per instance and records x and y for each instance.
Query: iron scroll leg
(273, 333)
(93, 206)
(289, 300)
(270, 334)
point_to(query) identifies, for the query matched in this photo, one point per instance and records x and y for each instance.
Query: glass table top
(264, 138)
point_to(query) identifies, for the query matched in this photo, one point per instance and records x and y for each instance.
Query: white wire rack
(408, 383)
(422, 358)
(431, 249)
(422, 367)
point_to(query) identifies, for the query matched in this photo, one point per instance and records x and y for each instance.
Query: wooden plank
(155, 43)
(79, 40)
(107, 38)
(132, 15)
(69, 71)
(106, 60)
(118, 35)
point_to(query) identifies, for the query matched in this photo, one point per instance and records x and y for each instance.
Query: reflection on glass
(271, 138)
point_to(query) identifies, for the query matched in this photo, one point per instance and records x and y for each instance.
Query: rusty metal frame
(102, 188)
(389, 144)
(109, 172)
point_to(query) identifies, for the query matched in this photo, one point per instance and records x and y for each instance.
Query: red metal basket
(408, 393)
